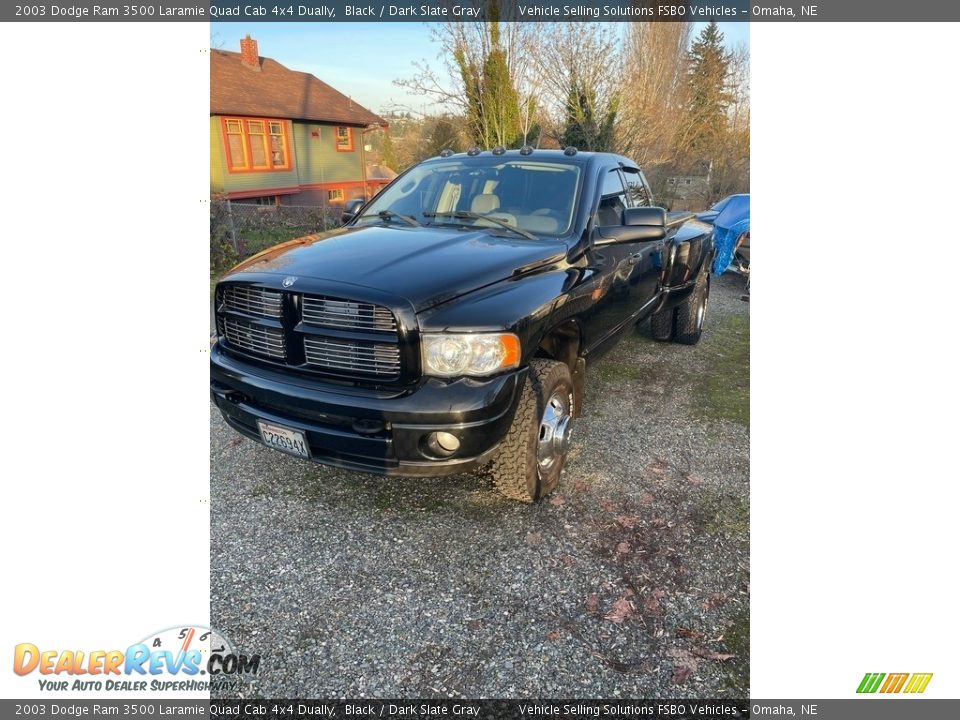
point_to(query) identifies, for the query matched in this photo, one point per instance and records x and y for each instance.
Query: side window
(637, 193)
(613, 200)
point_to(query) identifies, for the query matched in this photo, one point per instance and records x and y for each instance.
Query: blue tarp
(731, 223)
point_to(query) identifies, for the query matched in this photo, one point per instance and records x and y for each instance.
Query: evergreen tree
(583, 129)
(708, 95)
(492, 100)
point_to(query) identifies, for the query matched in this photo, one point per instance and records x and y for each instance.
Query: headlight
(452, 355)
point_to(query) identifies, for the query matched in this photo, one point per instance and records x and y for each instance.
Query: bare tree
(577, 70)
(470, 85)
(655, 61)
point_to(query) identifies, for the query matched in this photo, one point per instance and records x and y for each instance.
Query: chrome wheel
(554, 439)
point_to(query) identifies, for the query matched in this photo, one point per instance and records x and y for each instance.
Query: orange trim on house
(285, 134)
(336, 138)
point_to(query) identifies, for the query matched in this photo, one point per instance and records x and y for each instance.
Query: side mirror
(646, 223)
(639, 224)
(351, 209)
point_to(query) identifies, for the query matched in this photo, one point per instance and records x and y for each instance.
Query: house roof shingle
(278, 92)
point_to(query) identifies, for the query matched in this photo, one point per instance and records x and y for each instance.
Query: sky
(362, 59)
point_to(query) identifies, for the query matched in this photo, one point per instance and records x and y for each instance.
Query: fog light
(441, 444)
(448, 442)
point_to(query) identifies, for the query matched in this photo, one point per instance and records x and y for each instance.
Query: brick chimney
(249, 54)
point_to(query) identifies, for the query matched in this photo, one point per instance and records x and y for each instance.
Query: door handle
(635, 258)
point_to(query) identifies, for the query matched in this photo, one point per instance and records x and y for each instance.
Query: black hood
(424, 265)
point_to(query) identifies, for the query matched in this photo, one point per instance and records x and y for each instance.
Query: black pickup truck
(450, 322)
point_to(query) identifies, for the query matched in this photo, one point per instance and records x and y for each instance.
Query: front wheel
(528, 464)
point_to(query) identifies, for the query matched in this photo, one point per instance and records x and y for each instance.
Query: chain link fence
(239, 230)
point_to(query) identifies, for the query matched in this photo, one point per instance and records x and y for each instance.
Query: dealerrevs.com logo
(182, 659)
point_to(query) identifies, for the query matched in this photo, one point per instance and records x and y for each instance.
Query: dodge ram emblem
(288, 281)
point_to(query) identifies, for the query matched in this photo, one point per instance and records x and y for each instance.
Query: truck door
(614, 262)
(648, 255)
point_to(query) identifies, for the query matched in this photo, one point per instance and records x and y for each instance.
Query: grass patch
(736, 639)
(724, 386)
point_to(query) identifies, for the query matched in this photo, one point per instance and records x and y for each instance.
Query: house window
(259, 145)
(335, 195)
(344, 139)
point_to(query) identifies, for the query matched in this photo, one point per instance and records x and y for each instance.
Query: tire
(688, 323)
(661, 325)
(526, 468)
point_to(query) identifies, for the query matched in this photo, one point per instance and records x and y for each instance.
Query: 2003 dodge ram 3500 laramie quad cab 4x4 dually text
(449, 323)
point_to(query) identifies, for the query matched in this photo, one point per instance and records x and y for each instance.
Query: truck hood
(424, 265)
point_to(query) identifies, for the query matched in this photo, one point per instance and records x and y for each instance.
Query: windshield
(534, 197)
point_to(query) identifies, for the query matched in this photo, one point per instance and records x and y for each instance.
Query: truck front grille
(266, 341)
(342, 338)
(347, 314)
(252, 300)
(379, 359)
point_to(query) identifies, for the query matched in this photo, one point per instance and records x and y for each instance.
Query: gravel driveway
(631, 581)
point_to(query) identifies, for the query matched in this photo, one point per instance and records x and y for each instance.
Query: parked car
(731, 218)
(708, 216)
(450, 323)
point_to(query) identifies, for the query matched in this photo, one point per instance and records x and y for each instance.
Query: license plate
(284, 439)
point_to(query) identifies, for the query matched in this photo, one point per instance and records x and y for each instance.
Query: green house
(278, 136)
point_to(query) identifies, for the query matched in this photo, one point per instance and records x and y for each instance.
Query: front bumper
(376, 431)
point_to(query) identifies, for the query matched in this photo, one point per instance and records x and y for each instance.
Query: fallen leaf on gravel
(593, 602)
(557, 500)
(235, 441)
(474, 624)
(652, 603)
(534, 539)
(694, 479)
(622, 610)
(623, 548)
(688, 633)
(628, 521)
(607, 505)
(708, 654)
(646, 499)
(658, 467)
(715, 600)
(579, 486)
(553, 635)
(568, 561)
(681, 674)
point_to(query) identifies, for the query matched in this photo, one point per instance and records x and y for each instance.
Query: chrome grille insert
(347, 315)
(253, 338)
(378, 359)
(253, 300)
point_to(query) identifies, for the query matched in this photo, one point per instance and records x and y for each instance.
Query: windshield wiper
(465, 215)
(390, 214)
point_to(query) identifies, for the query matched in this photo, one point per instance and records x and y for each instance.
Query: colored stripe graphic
(918, 682)
(870, 682)
(894, 682)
